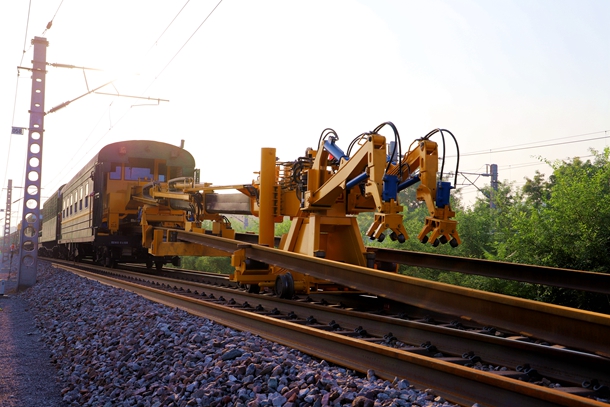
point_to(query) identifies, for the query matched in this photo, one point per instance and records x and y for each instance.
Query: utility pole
(30, 222)
(7, 225)
(494, 184)
(494, 176)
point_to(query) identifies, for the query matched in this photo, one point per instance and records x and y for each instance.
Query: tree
(537, 190)
(565, 223)
(568, 223)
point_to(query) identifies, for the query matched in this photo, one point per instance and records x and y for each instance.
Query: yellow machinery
(322, 193)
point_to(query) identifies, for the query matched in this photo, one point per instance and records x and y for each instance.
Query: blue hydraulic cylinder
(390, 188)
(352, 183)
(443, 190)
(334, 150)
(408, 183)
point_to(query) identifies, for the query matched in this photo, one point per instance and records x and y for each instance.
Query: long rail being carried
(581, 330)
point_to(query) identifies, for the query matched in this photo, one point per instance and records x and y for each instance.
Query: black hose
(396, 143)
(457, 147)
(325, 134)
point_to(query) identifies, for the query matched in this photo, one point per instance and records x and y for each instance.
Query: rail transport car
(95, 215)
(51, 225)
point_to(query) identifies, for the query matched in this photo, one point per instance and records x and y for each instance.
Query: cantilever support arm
(369, 158)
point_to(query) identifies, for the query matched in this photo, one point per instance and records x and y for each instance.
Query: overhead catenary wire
(25, 37)
(156, 77)
(50, 23)
(8, 151)
(27, 25)
(184, 45)
(544, 141)
(529, 146)
(169, 25)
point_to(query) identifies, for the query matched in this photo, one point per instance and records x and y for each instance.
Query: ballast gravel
(114, 348)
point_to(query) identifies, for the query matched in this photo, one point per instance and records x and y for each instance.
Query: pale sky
(500, 75)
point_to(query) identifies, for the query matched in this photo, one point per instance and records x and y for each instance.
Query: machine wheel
(254, 288)
(159, 265)
(284, 286)
(176, 261)
(149, 264)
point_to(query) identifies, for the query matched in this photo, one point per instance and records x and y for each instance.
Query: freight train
(96, 215)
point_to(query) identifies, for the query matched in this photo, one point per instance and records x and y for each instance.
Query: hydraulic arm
(370, 180)
(321, 192)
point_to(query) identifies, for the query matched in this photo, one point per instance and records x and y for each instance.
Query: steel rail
(581, 330)
(560, 364)
(557, 277)
(457, 383)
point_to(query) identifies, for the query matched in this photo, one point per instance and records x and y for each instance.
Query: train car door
(98, 192)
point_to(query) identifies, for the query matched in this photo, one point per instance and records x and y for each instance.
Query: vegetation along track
(463, 364)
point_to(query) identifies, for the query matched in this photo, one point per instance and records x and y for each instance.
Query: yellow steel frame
(323, 224)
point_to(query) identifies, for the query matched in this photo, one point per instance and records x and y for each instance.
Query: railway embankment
(26, 376)
(102, 346)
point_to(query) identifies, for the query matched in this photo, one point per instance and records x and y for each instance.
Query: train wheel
(254, 288)
(159, 265)
(149, 264)
(107, 260)
(284, 286)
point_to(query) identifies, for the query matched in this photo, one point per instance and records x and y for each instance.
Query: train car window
(162, 169)
(116, 173)
(138, 173)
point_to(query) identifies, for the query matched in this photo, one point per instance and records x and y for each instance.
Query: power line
(544, 141)
(8, 152)
(169, 25)
(186, 42)
(27, 25)
(170, 61)
(50, 23)
(517, 148)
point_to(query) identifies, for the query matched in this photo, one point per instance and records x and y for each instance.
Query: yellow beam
(266, 235)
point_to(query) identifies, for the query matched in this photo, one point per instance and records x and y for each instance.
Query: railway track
(572, 328)
(464, 363)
